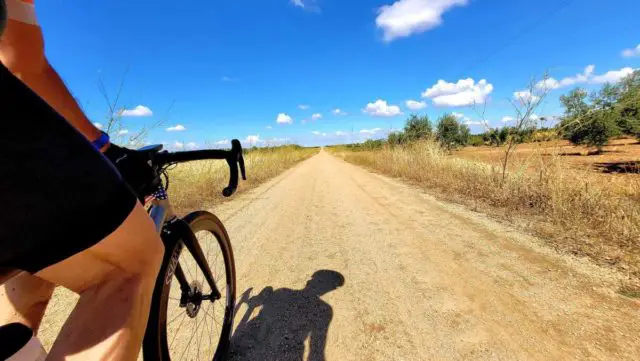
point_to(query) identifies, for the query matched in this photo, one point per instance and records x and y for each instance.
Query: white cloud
(253, 139)
(226, 78)
(269, 127)
(139, 111)
(380, 108)
(370, 131)
(534, 116)
(178, 145)
(98, 125)
(338, 111)
(176, 128)
(341, 133)
(629, 53)
(472, 122)
(123, 132)
(309, 5)
(284, 119)
(548, 84)
(223, 142)
(461, 117)
(316, 116)
(463, 93)
(507, 119)
(407, 17)
(303, 107)
(191, 145)
(277, 141)
(319, 134)
(551, 83)
(415, 105)
(525, 96)
(586, 77)
(612, 76)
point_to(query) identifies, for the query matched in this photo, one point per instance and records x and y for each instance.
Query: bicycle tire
(156, 345)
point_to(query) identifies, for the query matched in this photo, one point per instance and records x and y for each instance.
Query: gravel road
(337, 263)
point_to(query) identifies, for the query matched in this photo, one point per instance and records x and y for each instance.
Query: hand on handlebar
(134, 169)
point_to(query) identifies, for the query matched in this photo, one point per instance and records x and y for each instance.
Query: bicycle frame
(174, 230)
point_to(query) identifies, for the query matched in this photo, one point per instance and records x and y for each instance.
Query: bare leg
(115, 279)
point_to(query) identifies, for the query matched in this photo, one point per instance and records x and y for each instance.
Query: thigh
(132, 249)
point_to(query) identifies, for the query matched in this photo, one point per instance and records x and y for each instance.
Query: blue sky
(217, 70)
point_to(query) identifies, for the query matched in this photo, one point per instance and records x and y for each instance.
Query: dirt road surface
(343, 264)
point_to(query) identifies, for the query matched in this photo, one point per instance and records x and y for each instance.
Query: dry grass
(198, 185)
(606, 168)
(576, 213)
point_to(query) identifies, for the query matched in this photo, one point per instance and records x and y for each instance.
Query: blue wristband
(102, 140)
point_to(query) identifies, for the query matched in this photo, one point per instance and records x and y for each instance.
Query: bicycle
(178, 233)
(194, 297)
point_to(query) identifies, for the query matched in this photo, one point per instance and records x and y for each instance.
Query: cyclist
(69, 219)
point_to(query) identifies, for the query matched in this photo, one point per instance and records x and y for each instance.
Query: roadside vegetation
(198, 185)
(578, 211)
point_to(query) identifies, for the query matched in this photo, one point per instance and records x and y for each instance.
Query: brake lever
(236, 159)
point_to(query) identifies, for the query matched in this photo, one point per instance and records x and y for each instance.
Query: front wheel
(187, 323)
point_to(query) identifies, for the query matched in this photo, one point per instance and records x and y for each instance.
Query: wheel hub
(194, 299)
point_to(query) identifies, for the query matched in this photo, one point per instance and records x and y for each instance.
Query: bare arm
(22, 52)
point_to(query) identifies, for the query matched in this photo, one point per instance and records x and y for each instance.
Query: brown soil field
(617, 166)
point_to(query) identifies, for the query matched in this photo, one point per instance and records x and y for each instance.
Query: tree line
(593, 118)
(589, 119)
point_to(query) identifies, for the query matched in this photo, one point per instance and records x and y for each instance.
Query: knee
(151, 254)
(155, 254)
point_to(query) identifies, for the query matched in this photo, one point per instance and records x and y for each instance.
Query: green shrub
(451, 133)
(417, 128)
(476, 140)
(396, 138)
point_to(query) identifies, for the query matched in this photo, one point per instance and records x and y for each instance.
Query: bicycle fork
(177, 232)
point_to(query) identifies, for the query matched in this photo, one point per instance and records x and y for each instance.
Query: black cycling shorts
(59, 195)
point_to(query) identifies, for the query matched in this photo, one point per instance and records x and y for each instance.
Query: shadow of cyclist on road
(286, 319)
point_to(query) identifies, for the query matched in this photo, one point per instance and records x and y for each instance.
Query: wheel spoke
(206, 326)
(178, 315)
(191, 339)
(215, 262)
(189, 269)
(200, 341)
(210, 333)
(176, 334)
(212, 319)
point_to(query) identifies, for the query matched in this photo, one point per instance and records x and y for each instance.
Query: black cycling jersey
(59, 195)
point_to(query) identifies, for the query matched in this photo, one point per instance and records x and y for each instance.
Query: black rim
(195, 326)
